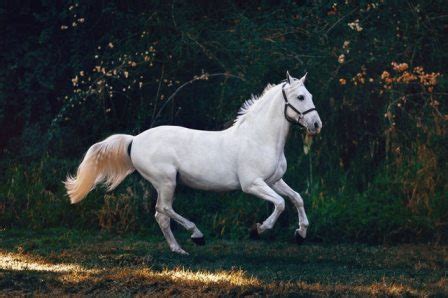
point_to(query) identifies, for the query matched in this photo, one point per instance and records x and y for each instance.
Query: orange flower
(385, 75)
(406, 77)
(399, 67)
(418, 69)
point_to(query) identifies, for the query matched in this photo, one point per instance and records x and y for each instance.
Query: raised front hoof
(299, 239)
(253, 232)
(198, 240)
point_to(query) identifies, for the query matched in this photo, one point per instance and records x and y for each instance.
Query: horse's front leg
(282, 188)
(260, 189)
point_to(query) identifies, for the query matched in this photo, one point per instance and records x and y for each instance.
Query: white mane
(249, 104)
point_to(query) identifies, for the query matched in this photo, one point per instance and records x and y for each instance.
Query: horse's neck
(268, 123)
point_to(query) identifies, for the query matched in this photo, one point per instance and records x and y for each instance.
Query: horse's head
(299, 106)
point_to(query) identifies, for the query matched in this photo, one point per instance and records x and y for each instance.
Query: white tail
(105, 162)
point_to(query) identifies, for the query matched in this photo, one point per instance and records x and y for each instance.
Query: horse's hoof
(180, 251)
(198, 240)
(299, 239)
(253, 232)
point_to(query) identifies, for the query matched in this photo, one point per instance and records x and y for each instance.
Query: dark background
(72, 73)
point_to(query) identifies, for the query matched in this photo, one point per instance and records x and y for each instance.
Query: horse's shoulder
(281, 165)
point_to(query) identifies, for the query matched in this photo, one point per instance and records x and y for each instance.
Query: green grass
(61, 261)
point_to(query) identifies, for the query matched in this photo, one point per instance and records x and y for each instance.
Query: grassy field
(63, 261)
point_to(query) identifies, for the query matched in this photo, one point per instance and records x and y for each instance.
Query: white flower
(355, 26)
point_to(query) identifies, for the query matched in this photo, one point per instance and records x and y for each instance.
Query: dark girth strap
(129, 149)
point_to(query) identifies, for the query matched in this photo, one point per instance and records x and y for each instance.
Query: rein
(288, 105)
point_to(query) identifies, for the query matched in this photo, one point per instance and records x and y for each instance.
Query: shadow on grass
(74, 262)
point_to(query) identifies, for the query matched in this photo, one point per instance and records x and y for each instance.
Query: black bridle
(288, 105)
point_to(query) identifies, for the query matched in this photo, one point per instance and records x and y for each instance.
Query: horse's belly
(209, 180)
(207, 161)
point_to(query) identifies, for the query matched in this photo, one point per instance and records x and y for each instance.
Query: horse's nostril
(316, 125)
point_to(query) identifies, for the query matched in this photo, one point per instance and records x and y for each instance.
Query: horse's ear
(288, 77)
(302, 79)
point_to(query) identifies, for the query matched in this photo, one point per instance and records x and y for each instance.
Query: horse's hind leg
(164, 224)
(165, 193)
(165, 206)
(196, 234)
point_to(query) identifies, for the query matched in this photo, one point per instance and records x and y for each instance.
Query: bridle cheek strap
(288, 105)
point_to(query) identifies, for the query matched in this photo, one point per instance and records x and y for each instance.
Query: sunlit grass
(20, 262)
(186, 280)
(186, 277)
(236, 278)
(320, 288)
(75, 273)
(58, 263)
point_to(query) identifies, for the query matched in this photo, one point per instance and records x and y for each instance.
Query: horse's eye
(301, 97)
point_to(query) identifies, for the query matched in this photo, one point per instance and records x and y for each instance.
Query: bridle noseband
(288, 105)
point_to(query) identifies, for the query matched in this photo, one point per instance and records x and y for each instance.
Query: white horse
(248, 156)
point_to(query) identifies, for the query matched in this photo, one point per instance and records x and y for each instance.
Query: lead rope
(310, 173)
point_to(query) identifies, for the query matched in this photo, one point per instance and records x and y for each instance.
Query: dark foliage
(75, 72)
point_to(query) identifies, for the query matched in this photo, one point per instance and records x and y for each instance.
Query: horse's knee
(280, 205)
(159, 217)
(298, 198)
(162, 220)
